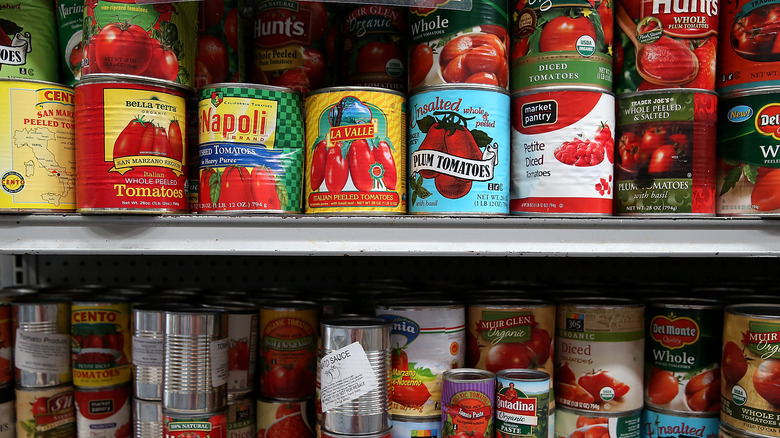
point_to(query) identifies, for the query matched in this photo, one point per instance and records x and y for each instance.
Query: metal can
(575, 423)
(103, 412)
(131, 153)
(355, 151)
(383, 434)
(6, 345)
(727, 431)
(241, 417)
(749, 368)
(46, 409)
(522, 403)
(682, 351)
(41, 330)
(665, 158)
(38, 159)
(195, 425)
(221, 43)
(562, 151)
(147, 418)
(406, 427)
(148, 346)
(657, 423)
(7, 412)
(101, 357)
(28, 41)
(459, 138)
(250, 148)
(428, 338)
(467, 402)
(70, 24)
(275, 417)
(243, 335)
(589, 373)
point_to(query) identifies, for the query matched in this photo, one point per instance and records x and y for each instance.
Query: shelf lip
(402, 235)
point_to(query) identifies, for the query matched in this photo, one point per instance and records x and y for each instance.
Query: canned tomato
(70, 22)
(242, 354)
(130, 151)
(459, 46)
(599, 349)
(251, 149)
(522, 403)
(374, 40)
(221, 43)
(750, 368)
(428, 338)
(467, 399)
(147, 418)
(41, 332)
(46, 409)
(275, 418)
(101, 357)
(241, 417)
(657, 424)
(406, 427)
(6, 345)
(38, 161)
(103, 412)
(28, 41)
(562, 151)
(459, 138)
(355, 151)
(149, 40)
(195, 425)
(575, 423)
(7, 412)
(682, 355)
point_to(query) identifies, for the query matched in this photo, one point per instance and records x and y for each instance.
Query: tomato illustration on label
(602, 386)
(470, 58)
(468, 414)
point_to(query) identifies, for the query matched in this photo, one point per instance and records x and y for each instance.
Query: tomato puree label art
(280, 416)
(28, 40)
(210, 425)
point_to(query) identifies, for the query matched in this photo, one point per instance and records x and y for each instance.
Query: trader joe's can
(41, 333)
(665, 156)
(101, 355)
(459, 150)
(130, 150)
(45, 412)
(28, 40)
(103, 412)
(522, 403)
(573, 423)
(38, 160)
(660, 423)
(221, 43)
(355, 151)
(467, 400)
(562, 151)
(251, 149)
(70, 24)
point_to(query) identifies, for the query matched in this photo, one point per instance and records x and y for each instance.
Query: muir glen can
(103, 412)
(576, 423)
(522, 403)
(467, 402)
(28, 40)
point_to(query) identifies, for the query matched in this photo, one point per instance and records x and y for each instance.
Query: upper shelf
(298, 235)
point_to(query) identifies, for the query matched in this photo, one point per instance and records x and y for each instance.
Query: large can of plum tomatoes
(468, 402)
(28, 40)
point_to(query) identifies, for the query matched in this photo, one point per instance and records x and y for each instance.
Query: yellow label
(280, 58)
(101, 344)
(238, 120)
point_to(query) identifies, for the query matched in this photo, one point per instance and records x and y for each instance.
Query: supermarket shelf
(302, 235)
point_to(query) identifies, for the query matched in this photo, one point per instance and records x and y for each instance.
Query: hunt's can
(405, 427)
(562, 151)
(7, 412)
(148, 40)
(221, 43)
(250, 148)
(147, 418)
(101, 357)
(275, 417)
(243, 335)
(41, 332)
(131, 153)
(428, 338)
(355, 151)
(467, 402)
(6, 345)
(656, 423)
(195, 425)
(28, 40)
(749, 368)
(70, 24)
(522, 403)
(459, 147)
(241, 416)
(591, 376)
(38, 161)
(665, 157)
(575, 423)
(103, 412)
(45, 409)
(148, 346)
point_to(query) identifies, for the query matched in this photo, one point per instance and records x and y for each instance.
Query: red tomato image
(314, 67)
(234, 188)
(214, 56)
(410, 392)
(287, 381)
(161, 145)
(361, 161)
(420, 64)
(594, 383)
(128, 141)
(231, 28)
(383, 154)
(733, 363)
(605, 10)
(263, 188)
(207, 186)
(766, 381)
(287, 409)
(562, 33)
(374, 56)
(663, 387)
(668, 61)
(336, 168)
(766, 193)
(318, 161)
(164, 65)
(473, 58)
(581, 153)
(399, 359)
(176, 140)
(122, 48)
(509, 355)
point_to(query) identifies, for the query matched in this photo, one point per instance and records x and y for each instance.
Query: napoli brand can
(28, 40)
(147, 418)
(276, 417)
(467, 400)
(101, 357)
(355, 151)
(406, 427)
(251, 149)
(6, 345)
(522, 403)
(7, 412)
(131, 153)
(70, 22)
(103, 412)
(562, 152)
(38, 160)
(575, 423)
(374, 39)
(221, 43)
(665, 157)
(196, 425)
(243, 334)
(49, 410)
(241, 417)
(459, 150)
(41, 342)
(657, 424)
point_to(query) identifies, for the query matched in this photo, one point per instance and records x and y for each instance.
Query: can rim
(282, 305)
(355, 88)
(757, 310)
(36, 81)
(418, 304)
(458, 86)
(601, 302)
(666, 90)
(248, 85)
(687, 302)
(468, 375)
(524, 374)
(552, 88)
(117, 78)
(355, 322)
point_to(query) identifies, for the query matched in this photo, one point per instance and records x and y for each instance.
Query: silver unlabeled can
(147, 418)
(243, 334)
(148, 332)
(41, 342)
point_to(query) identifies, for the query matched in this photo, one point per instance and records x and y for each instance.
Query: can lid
(282, 305)
(601, 302)
(455, 87)
(686, 302)
(502, 303)
(116, 78)
(525, 374)
(418, 304)
(242, 307)
(355, 89)
(355, 322)
(468, 375)
(758, 310)
(248, 86)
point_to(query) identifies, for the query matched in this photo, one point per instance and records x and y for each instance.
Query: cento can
(575, 423)
(243, 335)
(101, 357)
(599, 347)
(749, 368)
(147, 418)
(467, 402)
(6, 345)
(562, 151)
(7, 412)
(195, 425)
(406, 427)
(70, 24)
(38, 160)
(657, 424)
(250, 148)
(103, 412)
(522, 403)
(682, 355)
(274, 418)
(28, 40)
(130, 153)
(41, 332)
(428, 338)
(355, 151)
(221, 43)
(241, 417)
(459, 148)
(48, 410)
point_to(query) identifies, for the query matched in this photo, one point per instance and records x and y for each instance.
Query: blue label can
(656, 424)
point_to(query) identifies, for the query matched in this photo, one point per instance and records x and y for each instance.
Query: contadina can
(576, 423)
(28, 40)
(522, 403)
(251, 149)
(7, 412)
(657, 424)
(130, 150)
(41, 342)
(195, 425)
(355, 151)
(39, 158)
(101, 355)
(562, 151)
(459, 150)
(103, 412)
(45, 412)
(467, 399)
(275, 418)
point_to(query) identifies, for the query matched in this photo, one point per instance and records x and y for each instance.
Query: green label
(628, 427)
(28, 40)
(768, 421)
(144, 16)
(562, 68)
(497, 326)
(683, 341)
(763, 339)
(661, 196)
(430, 24)
(668, 106)
(749, 130)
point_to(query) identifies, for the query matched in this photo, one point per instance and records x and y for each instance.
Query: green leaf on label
(414, 197)
(423, 192)
(731, 180)
(214, 183)
(481, 137)
(281, 192)
(422, 374)
(425, 123)
(751, 172)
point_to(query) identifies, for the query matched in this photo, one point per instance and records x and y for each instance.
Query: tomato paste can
(750, 366)
(38, 158)
(354, 376)
(522, 403)
(561, 44)
(405, 427)
(467, 402)
(658, 423)
(221, 43)
(7, 412)
(661, 45)
(576, 423)
(274, 418)
(355, 151)
(241, 416)
(45, 410)
(130, 153)
(459, 147)
(562, 151)
(195, 367)
(28, 40)
(250, 148)
(103, 412)
(451, 45)
(147, 343)
(195, 425)
(101, 357)
(147, 418)
(70, 24)
(599, 349)
(149, 40)
(682, 355)
(428, 338)
(41, 332)
(6, 345)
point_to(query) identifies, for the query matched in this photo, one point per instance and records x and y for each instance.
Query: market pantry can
(101, 355)
(467, 402)
(28, 40)
(575, 423)
(103, 412)
(522, 403)
(657, 424)
(459, 149)
(130, 150)
(355, 151)
(41, 331)
(49, 410)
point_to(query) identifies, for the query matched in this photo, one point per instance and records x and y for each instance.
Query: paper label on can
(219, 361)
(148, 352)
(346, 374)
(46, 412)
(42, 352)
